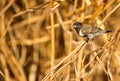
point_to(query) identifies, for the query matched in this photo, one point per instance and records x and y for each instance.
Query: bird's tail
(107, 31)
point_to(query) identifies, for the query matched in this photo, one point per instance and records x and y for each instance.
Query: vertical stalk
(79, 66)
(75, 5)
(52, 38)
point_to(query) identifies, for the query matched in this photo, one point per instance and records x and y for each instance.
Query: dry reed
(37, 42)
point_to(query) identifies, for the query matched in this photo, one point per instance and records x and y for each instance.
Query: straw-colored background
(37, 42)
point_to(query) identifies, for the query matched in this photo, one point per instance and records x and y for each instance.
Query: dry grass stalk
(38, 43)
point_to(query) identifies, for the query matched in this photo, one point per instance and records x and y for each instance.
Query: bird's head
(77, 26)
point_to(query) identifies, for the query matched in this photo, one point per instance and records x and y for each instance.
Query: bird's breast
(81, 33)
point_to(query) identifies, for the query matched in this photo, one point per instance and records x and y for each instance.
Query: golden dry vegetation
(37, 42)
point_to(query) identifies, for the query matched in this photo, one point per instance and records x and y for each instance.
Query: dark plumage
(88, 31)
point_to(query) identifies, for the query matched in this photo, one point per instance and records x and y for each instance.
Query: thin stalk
(52, 39)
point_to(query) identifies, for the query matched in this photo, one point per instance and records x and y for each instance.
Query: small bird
(88, 31)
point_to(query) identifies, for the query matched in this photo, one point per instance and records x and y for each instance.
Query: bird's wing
(91, 30)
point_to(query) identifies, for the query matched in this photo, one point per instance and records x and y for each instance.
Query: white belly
(81, 34)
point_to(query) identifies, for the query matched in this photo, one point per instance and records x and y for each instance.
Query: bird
(88, 31)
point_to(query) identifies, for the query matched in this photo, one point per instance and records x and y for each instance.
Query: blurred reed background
(37, 42)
